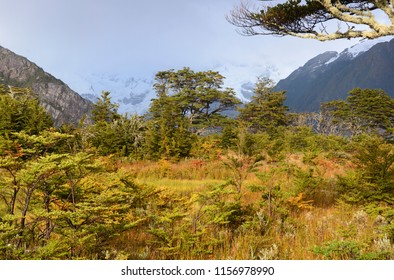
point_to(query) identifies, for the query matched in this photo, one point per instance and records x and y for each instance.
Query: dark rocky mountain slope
(62, 103)
(331, 76)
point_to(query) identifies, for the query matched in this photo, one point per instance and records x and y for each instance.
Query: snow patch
(241, 77)
(132, 94)
(360, 48)
(332, 59)
(365, 45)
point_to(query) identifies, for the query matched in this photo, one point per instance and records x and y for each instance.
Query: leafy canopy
(266, 111)
(188, 103)
(198, 96)
(369, 109)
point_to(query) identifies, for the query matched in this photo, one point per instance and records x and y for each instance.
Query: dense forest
(199, 176)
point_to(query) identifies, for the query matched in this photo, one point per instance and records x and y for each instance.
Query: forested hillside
(185, 181)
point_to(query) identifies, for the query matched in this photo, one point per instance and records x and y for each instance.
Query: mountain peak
(330, 76)
(362, 47)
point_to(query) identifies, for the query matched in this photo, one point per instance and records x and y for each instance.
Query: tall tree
(114, 133)
(317, 19)
(266, 111)
(187, 104)
(104, 110)
(168, 132)
(199, 96)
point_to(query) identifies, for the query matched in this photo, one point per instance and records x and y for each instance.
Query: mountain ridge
(330, 76)
(325, 77)
(63, 104)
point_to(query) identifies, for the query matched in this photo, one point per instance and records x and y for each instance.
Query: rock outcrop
(61, 102)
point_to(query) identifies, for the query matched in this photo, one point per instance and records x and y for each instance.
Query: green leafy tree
(266, 111)
(364, 110)
(168, 132)
(130, 134)
(104, 110)
(372, 181)
(30, 168)
(187, 104)
(21, 110)
(113, 133)
(61, 205)
(315, 19)
(198, 95)
(375, 160)
(374, 107)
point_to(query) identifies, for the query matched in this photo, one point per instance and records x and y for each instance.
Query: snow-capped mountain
(134, 94)
(356, 50)
(242, 78)
(331, 75)
(325, 77)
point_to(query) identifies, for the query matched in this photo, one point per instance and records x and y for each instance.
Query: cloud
(140, 36)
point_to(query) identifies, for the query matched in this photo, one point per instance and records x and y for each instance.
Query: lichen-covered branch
(315, 19)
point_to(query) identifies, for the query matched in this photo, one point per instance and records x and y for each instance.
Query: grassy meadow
(290, 209)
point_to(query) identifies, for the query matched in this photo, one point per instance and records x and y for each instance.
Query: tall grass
(311, 226)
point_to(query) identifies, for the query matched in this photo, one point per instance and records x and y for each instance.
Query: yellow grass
(294, 235)
(182, 186)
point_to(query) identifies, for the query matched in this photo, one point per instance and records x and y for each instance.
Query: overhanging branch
(311, 18)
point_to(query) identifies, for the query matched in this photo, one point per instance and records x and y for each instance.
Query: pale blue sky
(142, 37)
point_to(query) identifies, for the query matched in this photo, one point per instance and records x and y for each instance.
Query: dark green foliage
(374, 179)
(104, 110)
(188, 103)
(221, 206)
(113, 133)
(20, 110)
(284, 18)
(266, 111)
(340, 250)
(168, 135)
(375, 157)
(229, 134)
(311, 19)
(365, 110)
(374, 107)
(198, 96)
(350, 250)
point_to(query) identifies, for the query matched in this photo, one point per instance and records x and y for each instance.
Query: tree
(188, 103)
(104, 110)
(266, 111)
(198, 96)
(363, 110)
(21, 110)
(129, 132)
(57, 205)
(168, 132)
(373, 158)
(317, 19)
(114, 133)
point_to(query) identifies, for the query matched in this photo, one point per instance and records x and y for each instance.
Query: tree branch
(310, 19)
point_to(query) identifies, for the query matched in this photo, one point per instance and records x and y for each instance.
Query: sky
(143, 37)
